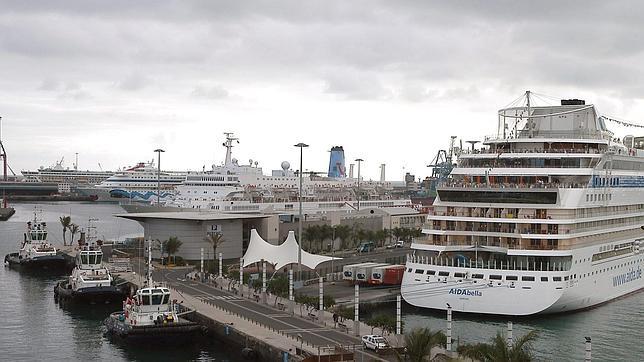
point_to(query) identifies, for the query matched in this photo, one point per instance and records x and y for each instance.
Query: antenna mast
(527, 97)
(230, 137)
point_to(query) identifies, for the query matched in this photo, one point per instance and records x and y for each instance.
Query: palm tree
(381, 236)
(73, 229)
(499, 349)
(341, 232)
(215, 239)
(309, 234)
(397, 233)
(65, 221)
(420, 341)
(171, 246)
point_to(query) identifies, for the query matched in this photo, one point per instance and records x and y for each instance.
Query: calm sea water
(34, 328)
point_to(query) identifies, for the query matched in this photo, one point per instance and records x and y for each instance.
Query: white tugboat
(150, 314)
(90, 280)
(35, 251)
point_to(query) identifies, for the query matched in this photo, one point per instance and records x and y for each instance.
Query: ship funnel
(351, 170)
(336, 163)
(382, 172)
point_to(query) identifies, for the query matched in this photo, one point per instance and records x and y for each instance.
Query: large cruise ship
(60, 174)
(545, 218)
(232, 187)
(139, 183)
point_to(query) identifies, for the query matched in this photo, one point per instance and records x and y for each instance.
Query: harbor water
(35, 328)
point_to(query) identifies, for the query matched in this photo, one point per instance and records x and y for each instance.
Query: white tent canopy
(279, 255)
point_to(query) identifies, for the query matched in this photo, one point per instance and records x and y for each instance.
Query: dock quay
(269, 330)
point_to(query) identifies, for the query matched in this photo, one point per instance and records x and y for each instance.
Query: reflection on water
(561, 336)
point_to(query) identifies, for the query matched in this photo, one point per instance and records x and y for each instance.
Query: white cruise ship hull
(585, 285)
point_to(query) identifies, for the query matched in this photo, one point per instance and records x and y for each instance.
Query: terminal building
(192, 227)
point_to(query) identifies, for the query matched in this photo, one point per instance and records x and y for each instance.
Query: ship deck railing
(483, 185)
(488, 151)
(515, 264)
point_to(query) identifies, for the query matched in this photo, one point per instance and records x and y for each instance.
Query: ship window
(431, 272)
(157, 298)
(556, 279)
(459, 275)
(511, 277)
(166, 298)
(409, 270)
(145, 300)
(544, 279)
(92, 259)
(565, 278)
(443, 274)
(419, 271)
(495, 277)
(477, 276)
(527, 279)
(83, 258)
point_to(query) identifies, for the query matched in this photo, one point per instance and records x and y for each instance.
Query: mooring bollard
(588, 350)
(449, 329)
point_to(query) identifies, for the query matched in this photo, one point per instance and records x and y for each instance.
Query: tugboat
(90, 281)
(35, 251)
(151, 315)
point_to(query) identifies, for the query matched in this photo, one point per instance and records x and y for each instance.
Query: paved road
(312, 333)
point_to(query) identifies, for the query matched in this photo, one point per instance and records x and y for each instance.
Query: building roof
(189, 215)
(399, 210)
(280, 255)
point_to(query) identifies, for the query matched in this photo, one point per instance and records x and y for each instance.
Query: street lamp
(359, 160)
(158, 151)
(299, 226)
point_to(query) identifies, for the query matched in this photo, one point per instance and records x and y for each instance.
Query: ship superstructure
(546, 217)
(234, 187)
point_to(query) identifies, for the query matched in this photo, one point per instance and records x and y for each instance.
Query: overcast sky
(391, 81)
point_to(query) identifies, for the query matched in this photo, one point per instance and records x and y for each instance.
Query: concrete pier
(235, 316)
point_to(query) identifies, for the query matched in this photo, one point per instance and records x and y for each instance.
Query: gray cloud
(134, 82)
(213, 92)
(100, 61)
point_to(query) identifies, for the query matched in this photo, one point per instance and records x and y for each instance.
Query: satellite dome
(285, 165)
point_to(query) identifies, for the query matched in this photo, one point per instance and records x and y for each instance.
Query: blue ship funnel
(336, 162)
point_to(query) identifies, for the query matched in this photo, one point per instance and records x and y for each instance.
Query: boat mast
(527, 97)
(229, 146)
(150, 265)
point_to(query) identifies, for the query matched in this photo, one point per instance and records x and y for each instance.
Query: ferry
(90, 281)
(35, 251)
(151, 315)
(546, 217)
(140, 183)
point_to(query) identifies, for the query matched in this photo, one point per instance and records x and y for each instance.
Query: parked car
(366, 247)
(396, 245)
(374, 342)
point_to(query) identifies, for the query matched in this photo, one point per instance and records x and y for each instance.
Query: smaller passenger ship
(35, 251)
(150, 314)
(90, 281)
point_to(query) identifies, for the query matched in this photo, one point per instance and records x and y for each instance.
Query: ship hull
(586, 285)
(45, 263)
(170, 332)
(91, 295)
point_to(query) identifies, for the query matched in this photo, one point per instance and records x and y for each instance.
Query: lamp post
(359, 160)
(158, 151)
(299, 224)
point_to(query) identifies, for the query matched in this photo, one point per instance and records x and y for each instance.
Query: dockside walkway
(245, 312)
